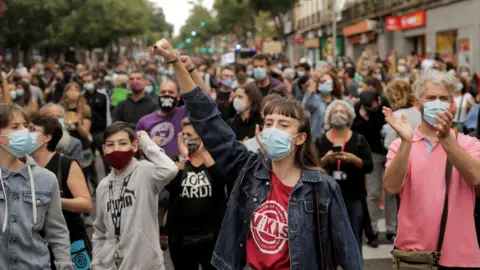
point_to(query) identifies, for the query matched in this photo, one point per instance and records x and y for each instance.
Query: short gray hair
(436, 77)
(328, 112)
(50, 105)
(289, 73)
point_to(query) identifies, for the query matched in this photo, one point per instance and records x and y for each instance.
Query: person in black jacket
(136, 105)
(369, 122)
(197, 203)
(68, 73)
(346, 156)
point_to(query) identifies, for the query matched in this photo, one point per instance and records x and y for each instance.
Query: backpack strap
(443, 221)
(319, 236)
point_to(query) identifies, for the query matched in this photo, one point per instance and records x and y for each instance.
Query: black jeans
(190, 257)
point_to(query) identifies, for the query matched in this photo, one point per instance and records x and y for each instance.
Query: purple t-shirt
(166, 127)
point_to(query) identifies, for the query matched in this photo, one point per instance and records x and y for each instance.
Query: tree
(199, 28)
(278, 10)
(60, 24)
(236, 17)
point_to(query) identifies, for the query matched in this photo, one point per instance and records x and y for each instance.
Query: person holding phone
(347, 157)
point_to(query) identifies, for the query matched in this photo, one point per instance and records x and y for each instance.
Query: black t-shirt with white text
(198, 201)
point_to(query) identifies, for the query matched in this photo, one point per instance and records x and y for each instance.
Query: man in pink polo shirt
(416, 164)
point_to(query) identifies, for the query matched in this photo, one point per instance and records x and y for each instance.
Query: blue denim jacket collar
(23, 172)
(310, 176)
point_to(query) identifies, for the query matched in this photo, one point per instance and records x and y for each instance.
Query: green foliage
(200, 21)
(275, 7)
(234, 16)
(80, 23)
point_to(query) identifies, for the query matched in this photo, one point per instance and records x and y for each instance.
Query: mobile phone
(337, 148)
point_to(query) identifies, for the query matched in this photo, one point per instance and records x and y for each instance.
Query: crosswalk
(378, 258)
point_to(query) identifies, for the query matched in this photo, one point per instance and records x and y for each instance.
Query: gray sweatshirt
(30, 217)
(126, 224)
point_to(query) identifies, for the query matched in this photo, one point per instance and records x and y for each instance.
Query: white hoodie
(138, 243)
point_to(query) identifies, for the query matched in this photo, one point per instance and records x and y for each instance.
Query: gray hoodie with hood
(30, 217)
(126, 234)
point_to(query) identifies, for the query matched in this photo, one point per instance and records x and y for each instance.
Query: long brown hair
(306, 155)
(83, 110)
(337, 85)
(254, 97)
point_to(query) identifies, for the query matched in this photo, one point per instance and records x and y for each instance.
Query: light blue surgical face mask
(62, 122)
(20, 92)
(326, 87)
(19, 143)
(227, 83)
(35, 144)
(277, 143)
(259, 73)
(431, 108)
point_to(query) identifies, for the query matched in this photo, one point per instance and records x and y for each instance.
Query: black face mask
(167, 103)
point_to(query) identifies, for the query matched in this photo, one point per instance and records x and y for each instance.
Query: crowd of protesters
(260, 164)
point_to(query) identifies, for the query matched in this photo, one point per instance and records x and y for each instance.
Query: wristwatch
(182, 159)
(191, 70)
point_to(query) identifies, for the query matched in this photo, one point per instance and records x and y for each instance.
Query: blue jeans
(356, 211)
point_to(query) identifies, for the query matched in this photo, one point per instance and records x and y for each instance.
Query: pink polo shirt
(421, 203)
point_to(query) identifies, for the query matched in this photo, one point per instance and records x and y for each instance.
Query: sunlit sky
(177, 11)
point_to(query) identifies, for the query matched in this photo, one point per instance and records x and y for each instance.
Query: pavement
(373, 258)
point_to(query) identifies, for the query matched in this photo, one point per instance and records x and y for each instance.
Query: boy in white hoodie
(126, 227)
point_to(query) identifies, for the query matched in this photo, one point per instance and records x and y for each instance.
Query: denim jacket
(252, 186)
(30, 217)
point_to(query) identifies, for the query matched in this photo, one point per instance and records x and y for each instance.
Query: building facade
(446, 27)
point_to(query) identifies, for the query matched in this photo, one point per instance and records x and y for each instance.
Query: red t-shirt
(267, 244)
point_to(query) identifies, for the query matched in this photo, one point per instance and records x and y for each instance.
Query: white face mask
(402, 69)
(465, 74)
(89, 87)
(239, 105)
(148, 89)
(13, 94)
(459, 87)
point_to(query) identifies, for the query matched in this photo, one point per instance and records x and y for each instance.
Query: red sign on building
(407, 21)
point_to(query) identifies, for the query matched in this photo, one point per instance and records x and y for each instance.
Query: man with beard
(163, 127)
(137, 104)
(164, 124)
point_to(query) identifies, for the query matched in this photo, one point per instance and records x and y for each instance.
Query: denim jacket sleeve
(217, 136)
(346, 252)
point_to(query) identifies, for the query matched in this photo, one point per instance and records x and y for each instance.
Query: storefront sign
(407, 21)
(362, 39)
(361, 27)
(464, 52)
(312, 43)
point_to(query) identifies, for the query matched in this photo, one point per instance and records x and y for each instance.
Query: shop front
(313, 50)
(326, 48)
(409, 32)
(359, 37)
(450, 30)
(454, 39)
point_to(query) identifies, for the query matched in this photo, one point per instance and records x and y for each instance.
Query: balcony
(379, 8)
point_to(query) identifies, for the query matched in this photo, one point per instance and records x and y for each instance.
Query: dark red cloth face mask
(119, 159)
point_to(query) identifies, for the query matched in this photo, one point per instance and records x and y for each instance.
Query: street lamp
(188, 40)
(203, 23)
(194, 33)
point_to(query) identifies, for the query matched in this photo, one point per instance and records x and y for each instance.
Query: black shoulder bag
(423, 260)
